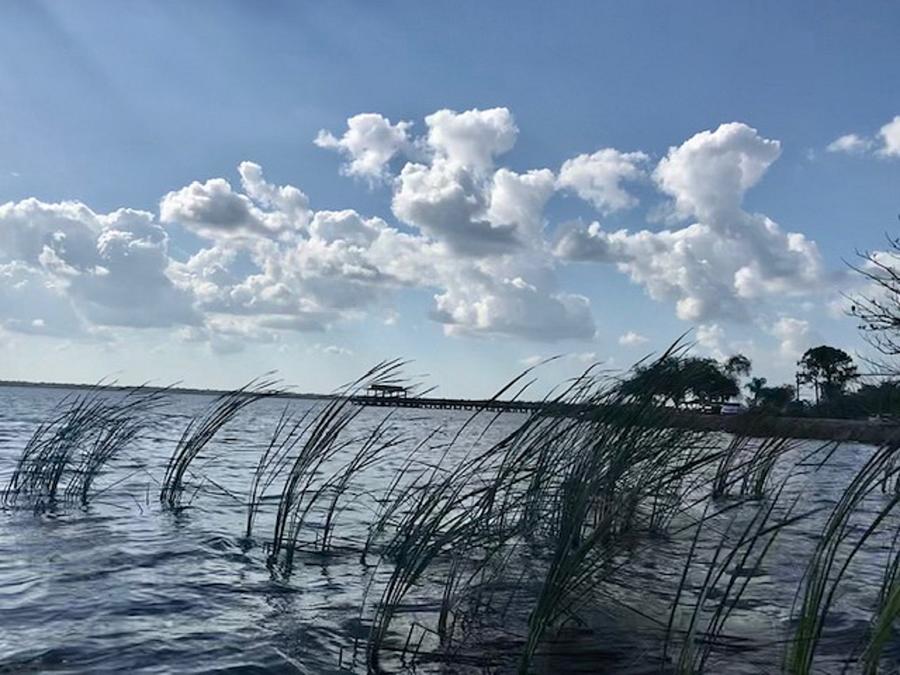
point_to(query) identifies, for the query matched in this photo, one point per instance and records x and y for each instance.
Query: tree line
(827, 381)
(827, 376)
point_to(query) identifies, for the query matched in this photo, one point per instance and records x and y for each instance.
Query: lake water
(125, 586)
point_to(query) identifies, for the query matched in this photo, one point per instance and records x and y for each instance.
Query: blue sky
(117, 105)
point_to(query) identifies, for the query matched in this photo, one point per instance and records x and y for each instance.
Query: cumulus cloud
(517, 200)
(130, 285)
(212, 209)
(71, 267)
(471, 233)
(454, 196)
(473, 138)
(728, 259)
(216, 211)
(30, 227)
(889, 135)
(449, 204)
(711, 337)
(598, 178)
(32, 301)
(851, 144)
(709, 173)
(581, 359)
(470, 216)
(886, 143)
(794, 335)
(632, 339)
(369, 144)
(288, 206)
(341, 264)
(513, 307)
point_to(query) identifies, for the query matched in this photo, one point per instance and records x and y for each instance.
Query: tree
(879, 399)
(878, 311)
(828, 369)
(776, 398)
(677, 379)
(737, 366)
(659, 381)
(707, 381)
(755, 387)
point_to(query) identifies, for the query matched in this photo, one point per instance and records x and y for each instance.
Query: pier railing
(493, 405)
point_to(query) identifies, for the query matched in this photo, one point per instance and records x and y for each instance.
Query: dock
(492, 405)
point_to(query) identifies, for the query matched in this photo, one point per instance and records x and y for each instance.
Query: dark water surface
(123, 586)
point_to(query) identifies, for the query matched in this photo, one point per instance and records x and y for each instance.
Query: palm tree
(755, 387)
(737, 365)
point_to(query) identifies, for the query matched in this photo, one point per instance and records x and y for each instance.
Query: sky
(203, 192)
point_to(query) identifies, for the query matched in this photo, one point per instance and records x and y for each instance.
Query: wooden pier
(493, 405)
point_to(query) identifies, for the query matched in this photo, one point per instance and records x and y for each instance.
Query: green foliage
(828, 369)
(879, 399)
(680, 379)
(755, 387)
(776, 398)
(737, 366)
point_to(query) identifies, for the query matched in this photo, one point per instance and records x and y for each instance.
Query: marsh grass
(569, 494)
(319, 441)
(489, 553)
(202, 429)
(67, 453)
(842, 539)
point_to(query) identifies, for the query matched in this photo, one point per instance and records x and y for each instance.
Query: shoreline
(747, 424)
(192, 391)
(813, 428)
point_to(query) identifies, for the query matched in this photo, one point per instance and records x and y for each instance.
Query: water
(124, 586)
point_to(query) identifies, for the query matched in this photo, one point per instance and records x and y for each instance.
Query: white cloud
(457, 199)
(33, 301)
(289, 206)
(851, 144)
(890, 138)
(449, 204)
(632, 339)
(725, 261)
(217, 212)
(472, 138)
(580, 359)
(709, 173)
(711, 337)
(518, 200)
(335, 350)
(886, 142)
(213, 210)
(473, 235)
(598, 178)
(795, 336)
(130, 285)
(30, 226)
(478, 303)
(73, 267)
(339, 265)
(369, 143)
